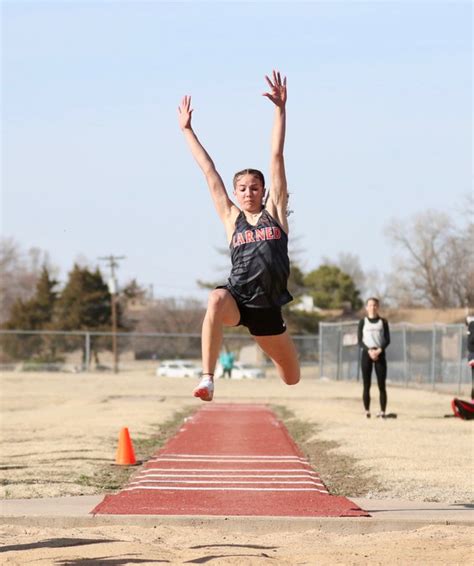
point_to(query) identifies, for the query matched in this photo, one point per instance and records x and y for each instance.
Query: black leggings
(472, 382)
(366, 365)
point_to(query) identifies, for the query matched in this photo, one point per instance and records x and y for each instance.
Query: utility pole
(113, 290)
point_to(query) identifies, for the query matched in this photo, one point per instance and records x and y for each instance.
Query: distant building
(305, 303)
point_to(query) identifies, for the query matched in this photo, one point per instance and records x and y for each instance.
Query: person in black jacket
(374, 338)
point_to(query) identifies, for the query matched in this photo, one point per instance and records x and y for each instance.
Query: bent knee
(218, 300)
(222, 306)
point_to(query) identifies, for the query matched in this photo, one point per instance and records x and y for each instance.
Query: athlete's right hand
(278, 93)
(184, 113)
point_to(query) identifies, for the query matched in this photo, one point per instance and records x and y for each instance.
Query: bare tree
(377, 285)
(173, 317)
(434, 267)
(19, 272)
(350, 265)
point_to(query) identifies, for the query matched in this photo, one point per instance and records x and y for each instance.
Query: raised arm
(223, 204)
(278, 198)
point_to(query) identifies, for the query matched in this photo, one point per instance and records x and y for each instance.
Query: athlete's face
(372, 309)
(249, 193)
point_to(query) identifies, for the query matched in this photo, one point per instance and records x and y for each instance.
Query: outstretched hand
(185, 113)
(277, 92)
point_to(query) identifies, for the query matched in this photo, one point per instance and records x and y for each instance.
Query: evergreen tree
(296, 284)
(134, 291)
(331, 288)
(36, 313)
(85, 302)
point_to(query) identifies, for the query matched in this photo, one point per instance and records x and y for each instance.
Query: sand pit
(59, 431)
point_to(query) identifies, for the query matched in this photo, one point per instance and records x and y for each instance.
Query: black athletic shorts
(259, 321)
(262, 322)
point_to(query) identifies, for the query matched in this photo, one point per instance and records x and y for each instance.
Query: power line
(113, 263)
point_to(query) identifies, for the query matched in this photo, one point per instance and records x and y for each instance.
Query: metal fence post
(321, 351)
(405, 353)
(433, 356)
(460, 360)
(339, 354)
(87, 361)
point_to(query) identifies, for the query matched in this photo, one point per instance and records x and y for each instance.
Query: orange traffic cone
(125, 455)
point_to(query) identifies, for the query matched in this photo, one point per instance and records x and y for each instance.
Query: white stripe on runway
(222, 460)
(227, 470)
(223, 456)
(205, 475)
(167, 488)
(222, 482)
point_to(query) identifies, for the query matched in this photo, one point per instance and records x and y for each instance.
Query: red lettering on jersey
(257, 235)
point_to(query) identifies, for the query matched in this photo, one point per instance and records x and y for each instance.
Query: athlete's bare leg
(282, 351)
(221, 311)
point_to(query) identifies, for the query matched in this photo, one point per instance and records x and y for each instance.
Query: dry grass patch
(111, 477)
(342, 474)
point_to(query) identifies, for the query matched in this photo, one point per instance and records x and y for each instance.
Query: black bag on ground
(463, 409)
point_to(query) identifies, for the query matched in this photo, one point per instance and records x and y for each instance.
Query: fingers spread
(277, 80)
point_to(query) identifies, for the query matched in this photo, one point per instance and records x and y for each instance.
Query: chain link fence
(22, 350)
(434, 355)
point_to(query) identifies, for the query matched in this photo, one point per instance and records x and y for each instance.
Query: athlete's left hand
(185, 113)
(277, 92)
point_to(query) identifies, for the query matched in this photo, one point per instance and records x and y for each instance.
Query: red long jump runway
(229, 460)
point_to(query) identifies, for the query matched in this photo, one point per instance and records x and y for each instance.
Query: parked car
(178, 368)
(242, 371)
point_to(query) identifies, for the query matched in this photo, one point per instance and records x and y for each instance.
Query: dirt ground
(59, 435)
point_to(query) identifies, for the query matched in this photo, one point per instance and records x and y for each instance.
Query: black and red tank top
(260, 263)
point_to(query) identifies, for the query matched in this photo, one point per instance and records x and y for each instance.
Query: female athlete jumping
(257, 232)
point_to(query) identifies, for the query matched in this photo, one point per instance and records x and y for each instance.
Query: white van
(178, 368)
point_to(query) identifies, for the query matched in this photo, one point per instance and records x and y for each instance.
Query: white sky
(93, 163)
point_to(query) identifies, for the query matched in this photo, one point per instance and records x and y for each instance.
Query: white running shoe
(205, 389)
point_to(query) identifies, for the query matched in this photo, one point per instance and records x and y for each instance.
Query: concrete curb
(386, 515)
